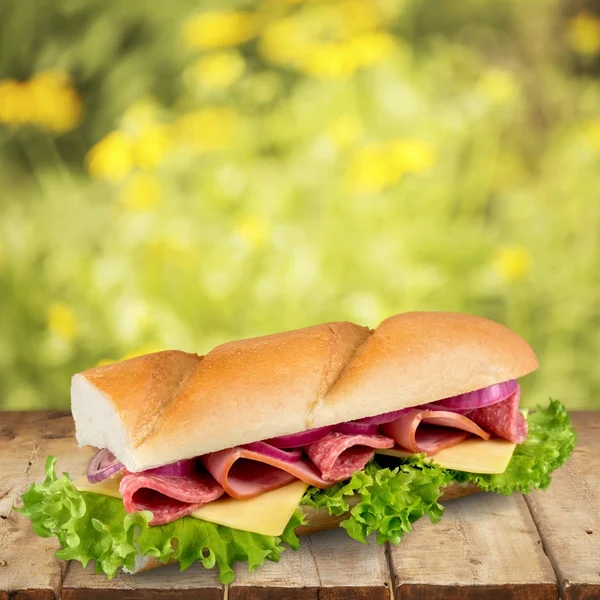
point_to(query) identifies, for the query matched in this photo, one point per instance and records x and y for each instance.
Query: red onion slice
(384, 417)
(464, 403)
(289, 456)
(181, 468)
(303, 438)
(356, 428)
(103, 465)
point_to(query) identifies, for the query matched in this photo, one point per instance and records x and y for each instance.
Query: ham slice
(430, 431)
(339, 455)
(503, 419)
(245, 473)
(169, 498)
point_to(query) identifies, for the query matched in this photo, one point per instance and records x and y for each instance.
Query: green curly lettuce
(550, 441)
(96, 527)
(390, 499)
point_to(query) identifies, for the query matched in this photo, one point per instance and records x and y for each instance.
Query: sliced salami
(438, 432)
(168, 498)
(245, 473)
(503, 419)
(339, 455)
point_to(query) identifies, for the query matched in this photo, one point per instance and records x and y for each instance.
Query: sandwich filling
(320, 457)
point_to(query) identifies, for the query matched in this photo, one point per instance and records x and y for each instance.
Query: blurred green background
(179, 174)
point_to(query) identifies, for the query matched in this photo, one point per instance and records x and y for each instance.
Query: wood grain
(568, 514)
(327, 565)
(29, 568)
(167, 583)
(486, 546)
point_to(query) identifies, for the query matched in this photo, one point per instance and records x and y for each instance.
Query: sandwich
(229, 457)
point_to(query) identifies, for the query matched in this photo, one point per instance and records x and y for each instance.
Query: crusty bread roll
(172, 405)
(419, 357)
(320, 520)
(240, 392)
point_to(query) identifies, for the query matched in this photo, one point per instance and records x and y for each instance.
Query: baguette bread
(172, 405)
(318, 520)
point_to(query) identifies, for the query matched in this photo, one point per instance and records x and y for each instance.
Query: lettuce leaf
(549, 444)
(390, 499)
(96, 527)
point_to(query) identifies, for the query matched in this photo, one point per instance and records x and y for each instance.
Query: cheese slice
(267, 514)
(473, 455)
(108, 487)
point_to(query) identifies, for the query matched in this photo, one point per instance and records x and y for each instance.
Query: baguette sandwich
(229, 457)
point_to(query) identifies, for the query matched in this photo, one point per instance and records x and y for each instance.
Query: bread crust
(419, 357)
(174, 405)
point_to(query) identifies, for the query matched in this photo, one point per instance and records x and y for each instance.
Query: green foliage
(456, 169)
(549, 444)
(390, 500)
(95, 527)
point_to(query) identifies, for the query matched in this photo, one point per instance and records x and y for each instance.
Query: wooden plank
(28, 568)
(567, 515)
(327, 565)
(486, 546)
(166, 583)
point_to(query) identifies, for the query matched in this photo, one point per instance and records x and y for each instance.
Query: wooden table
(535, 547)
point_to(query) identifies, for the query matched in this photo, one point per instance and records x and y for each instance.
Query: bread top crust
(174, 405)
(419, 357)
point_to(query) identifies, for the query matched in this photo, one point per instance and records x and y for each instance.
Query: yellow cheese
(473, 455)
(108, 487)
(267, 514)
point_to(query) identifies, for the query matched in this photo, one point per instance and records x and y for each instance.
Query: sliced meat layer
(430, 431)
(245, 473)
(339, 455)
(169, 498)
(503, 419)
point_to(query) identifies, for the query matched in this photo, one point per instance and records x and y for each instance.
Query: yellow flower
(583, 34)
(112, 158)
(58, 105)
(379, 166)
(498, 86)
(591, 133)
(328, 41)
(411, 155)
(219, 29)
(206, 129)
(329, 61)
(513, 263)
(150, 145)
(62, 321)
(371, 171)
(371, 48)
(254, 231)
(16, 106)
(345, 131)
(220, 69)
(48, 100)
(142, 192)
